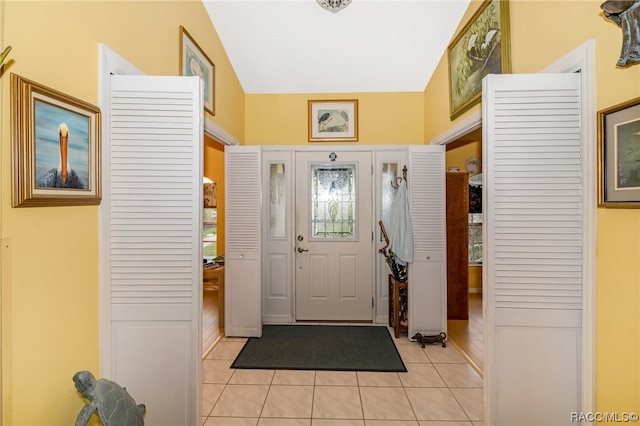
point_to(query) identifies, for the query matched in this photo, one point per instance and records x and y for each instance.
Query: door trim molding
(582, 60)
(109, 62)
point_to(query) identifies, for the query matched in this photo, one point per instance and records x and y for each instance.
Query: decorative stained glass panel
(333, 202)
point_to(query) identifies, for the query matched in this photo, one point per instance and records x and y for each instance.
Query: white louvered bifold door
(154, 259)
(243, 290)
(427, 283)
(533, 248)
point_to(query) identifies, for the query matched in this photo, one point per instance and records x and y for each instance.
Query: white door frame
(581, 59)
(324, 156)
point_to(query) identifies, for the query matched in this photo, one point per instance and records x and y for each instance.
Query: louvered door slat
(427, 274)
(154, 243)
(533, 246)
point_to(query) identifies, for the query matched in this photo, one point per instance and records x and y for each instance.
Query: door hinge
(372, 305)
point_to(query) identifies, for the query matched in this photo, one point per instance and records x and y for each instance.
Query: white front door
(334, 247)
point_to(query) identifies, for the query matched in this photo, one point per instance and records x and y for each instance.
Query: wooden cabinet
(457, 245)
(398, 306)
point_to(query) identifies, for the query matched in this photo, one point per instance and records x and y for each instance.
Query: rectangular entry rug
(321, 347)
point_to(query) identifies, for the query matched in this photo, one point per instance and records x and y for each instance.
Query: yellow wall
(214, 170)
(542, 32)
(383, 118)
(50, 254)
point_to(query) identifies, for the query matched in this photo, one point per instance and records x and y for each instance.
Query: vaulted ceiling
(296, 46)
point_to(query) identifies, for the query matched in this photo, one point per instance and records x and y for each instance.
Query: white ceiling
(296, 46)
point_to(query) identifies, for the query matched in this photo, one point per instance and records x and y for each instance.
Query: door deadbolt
(300, 238)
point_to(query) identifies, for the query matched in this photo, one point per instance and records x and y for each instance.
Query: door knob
(300, 250)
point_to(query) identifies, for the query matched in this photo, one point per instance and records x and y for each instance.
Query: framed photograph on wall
(619, 155)
(193, 61)
(482, 47)
(333, 120)
(55, 147)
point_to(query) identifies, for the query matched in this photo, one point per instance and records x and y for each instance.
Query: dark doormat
(321, 347)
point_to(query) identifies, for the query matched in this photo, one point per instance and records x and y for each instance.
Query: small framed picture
(193, 61)
(333, 120)
(55, 147)
(619, 155)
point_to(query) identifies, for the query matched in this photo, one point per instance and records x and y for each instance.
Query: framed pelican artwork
(333, 120)
(193, 61)
(55, 147)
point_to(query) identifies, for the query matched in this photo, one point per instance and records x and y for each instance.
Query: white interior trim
(216, 132)
(463, 128)
(109, 63)
(582, 60)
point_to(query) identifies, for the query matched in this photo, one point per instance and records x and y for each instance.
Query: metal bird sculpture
(4, 54)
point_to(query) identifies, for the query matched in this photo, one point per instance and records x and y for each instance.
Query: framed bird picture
(193, 61)
(55, 147)
(333, 120)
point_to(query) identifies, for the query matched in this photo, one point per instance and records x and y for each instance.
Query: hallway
(468, 335)
(439, 388)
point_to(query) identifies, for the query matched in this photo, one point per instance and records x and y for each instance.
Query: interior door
(535, 253)
(152, 216)
(334, 240)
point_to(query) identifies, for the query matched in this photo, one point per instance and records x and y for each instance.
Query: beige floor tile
(459, 375)
(294, 377)
(428, 423)
(226, 350)
(336, 378)
(448, 355)
(386, 403)
(412, 353)
(391, 423)
(284, 422)
(421, 376)
(251, 377)
(472, 402)
(216, 371)
(210, 394)
(368, 378)
(435, 404)
(231, 421)
(288, 401)
(337, 422)
(337, 402)
(241, 401)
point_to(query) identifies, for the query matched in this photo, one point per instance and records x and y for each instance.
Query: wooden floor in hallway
(468, 335)
(211, 330)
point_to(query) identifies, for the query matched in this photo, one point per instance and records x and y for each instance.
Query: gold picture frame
(619, 155)
(333, 120)
(482, 47)
(55, 147)
(193, 61)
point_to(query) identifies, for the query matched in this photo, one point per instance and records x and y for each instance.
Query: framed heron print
(481, 48)
(193, 61)
(619, 155)
(333, 120)
(55, 147)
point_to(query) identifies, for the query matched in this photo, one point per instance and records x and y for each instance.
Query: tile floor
(439, 389)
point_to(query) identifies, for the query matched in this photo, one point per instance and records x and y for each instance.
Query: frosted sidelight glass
(277, 200)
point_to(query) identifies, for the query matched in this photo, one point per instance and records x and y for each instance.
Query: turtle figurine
(108, 400)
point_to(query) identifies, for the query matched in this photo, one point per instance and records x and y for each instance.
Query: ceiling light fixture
(334, 5)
